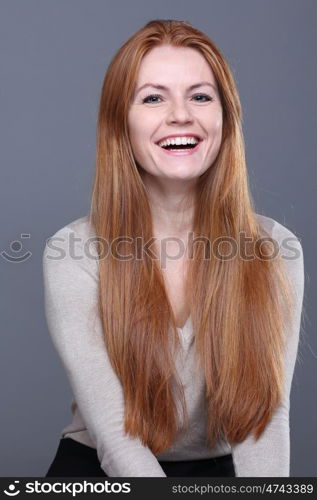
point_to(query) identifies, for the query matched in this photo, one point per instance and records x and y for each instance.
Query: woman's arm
(270, 455)
(70, 292)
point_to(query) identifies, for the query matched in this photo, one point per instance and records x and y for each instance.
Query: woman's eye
(208, 97)
(146, 99)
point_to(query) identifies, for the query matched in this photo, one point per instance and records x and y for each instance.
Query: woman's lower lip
(181, 152)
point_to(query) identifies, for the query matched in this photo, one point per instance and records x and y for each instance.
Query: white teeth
(178, 141)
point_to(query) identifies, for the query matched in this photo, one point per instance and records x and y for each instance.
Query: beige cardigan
(70, 290)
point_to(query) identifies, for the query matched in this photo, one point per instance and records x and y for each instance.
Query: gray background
(53, 58)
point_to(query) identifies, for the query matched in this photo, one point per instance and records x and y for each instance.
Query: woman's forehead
(165, 64)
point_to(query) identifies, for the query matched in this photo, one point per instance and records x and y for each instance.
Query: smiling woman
(180, 366)
(188, 106)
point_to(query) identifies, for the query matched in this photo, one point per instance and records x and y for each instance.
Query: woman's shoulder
(71, 247)
(275, 229)
(81, 226)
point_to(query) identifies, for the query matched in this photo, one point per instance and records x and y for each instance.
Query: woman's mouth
(181, 150)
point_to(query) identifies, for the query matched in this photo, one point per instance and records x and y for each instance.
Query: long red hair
(239, 308)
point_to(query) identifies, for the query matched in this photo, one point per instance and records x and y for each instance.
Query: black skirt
(74, 459)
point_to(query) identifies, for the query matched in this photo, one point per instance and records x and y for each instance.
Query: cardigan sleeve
(70, 298)
(270, 455)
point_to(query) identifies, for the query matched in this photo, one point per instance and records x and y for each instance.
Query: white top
(70, 293)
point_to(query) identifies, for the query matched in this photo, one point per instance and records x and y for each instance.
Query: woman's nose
(179, 111)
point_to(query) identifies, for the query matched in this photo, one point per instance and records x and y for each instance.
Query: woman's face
(176, 110)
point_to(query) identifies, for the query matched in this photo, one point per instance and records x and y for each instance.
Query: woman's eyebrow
(162, 87)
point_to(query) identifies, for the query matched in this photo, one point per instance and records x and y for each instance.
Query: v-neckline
(184, 326)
